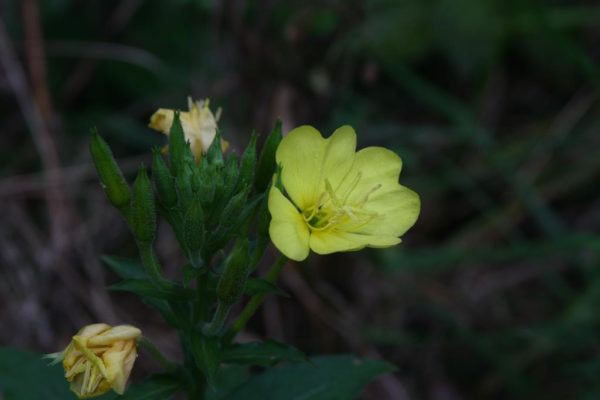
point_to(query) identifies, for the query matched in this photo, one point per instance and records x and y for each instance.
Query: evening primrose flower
(199, 125)
(100, 358)
(329, 198)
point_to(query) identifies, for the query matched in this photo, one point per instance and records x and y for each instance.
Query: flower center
(333, 208)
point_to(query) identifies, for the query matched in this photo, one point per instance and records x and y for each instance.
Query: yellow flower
(199, 125)
(335, 199)
(100, 358)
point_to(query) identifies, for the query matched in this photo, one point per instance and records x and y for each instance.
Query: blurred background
(492, 104)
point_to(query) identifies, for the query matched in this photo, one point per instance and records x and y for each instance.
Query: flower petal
(326, 242)
(288, 230)
(120, 332)
(162, 120)
(375, 172)
(397, 211)
(93, 330)
(119, 362)
(300, 155)
(339, 155)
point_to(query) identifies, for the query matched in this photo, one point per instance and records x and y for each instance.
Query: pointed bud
(193, 227)
(248, 162)
(143, 210)
(110, 174)
(231, 284)
(231, 212)
(165, 185)
(215, 151)
(266, 162)
(230, 175)
(179, 149)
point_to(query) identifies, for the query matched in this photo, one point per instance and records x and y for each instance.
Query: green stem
(257, 299)
(200, 306)
(153, 350)
(218, 320)
(152, 265)
(194, 376)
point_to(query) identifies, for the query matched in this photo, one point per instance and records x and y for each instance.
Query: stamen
(369, 193)
(353, 186)
(331, 194)
(86, 378)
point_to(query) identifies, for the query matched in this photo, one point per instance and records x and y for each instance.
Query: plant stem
(153, 350)
(218, 320)
(200, 304)
(257, 299)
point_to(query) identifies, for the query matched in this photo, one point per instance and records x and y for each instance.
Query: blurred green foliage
(492, 104)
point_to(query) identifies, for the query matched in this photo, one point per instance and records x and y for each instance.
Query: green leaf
(228, 378)
(18, 369)
(125, 268)
(262, 286)
(145, 288)
(261, 353)
(157, 387)
(339, 377)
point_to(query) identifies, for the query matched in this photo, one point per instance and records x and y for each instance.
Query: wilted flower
(199, 125)
(329, 198)
(100, 358)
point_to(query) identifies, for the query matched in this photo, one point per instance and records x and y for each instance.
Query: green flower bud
(248, 162)
(233, 280)
(165, 185)
(231, 212)
(266, 162)
(143, 209)
(215, 151)
(230, 175)
(110, 174)
(193, 226)
(179, 149)
(263, 219)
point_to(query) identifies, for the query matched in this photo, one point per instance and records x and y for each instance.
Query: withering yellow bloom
(333, 198)
(199, 125)
(100, 358)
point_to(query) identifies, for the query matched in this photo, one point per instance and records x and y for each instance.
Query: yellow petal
(375, 172)
(339, 156)
(162, 120)
(397, 211)
(121, 332)
(92, 330)
(288, 230)
(300, 155)
(326, 242)
(119, 363)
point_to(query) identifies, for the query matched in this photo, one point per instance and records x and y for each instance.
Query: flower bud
(193, 226)
(110, 174)
(231, 284)
(179, 148)
(100, 358)
(199, 126)
(248, 162)
(143, 210)
(266, 161)
(165, 185)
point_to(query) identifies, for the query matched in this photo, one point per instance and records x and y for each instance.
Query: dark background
(492, 104)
